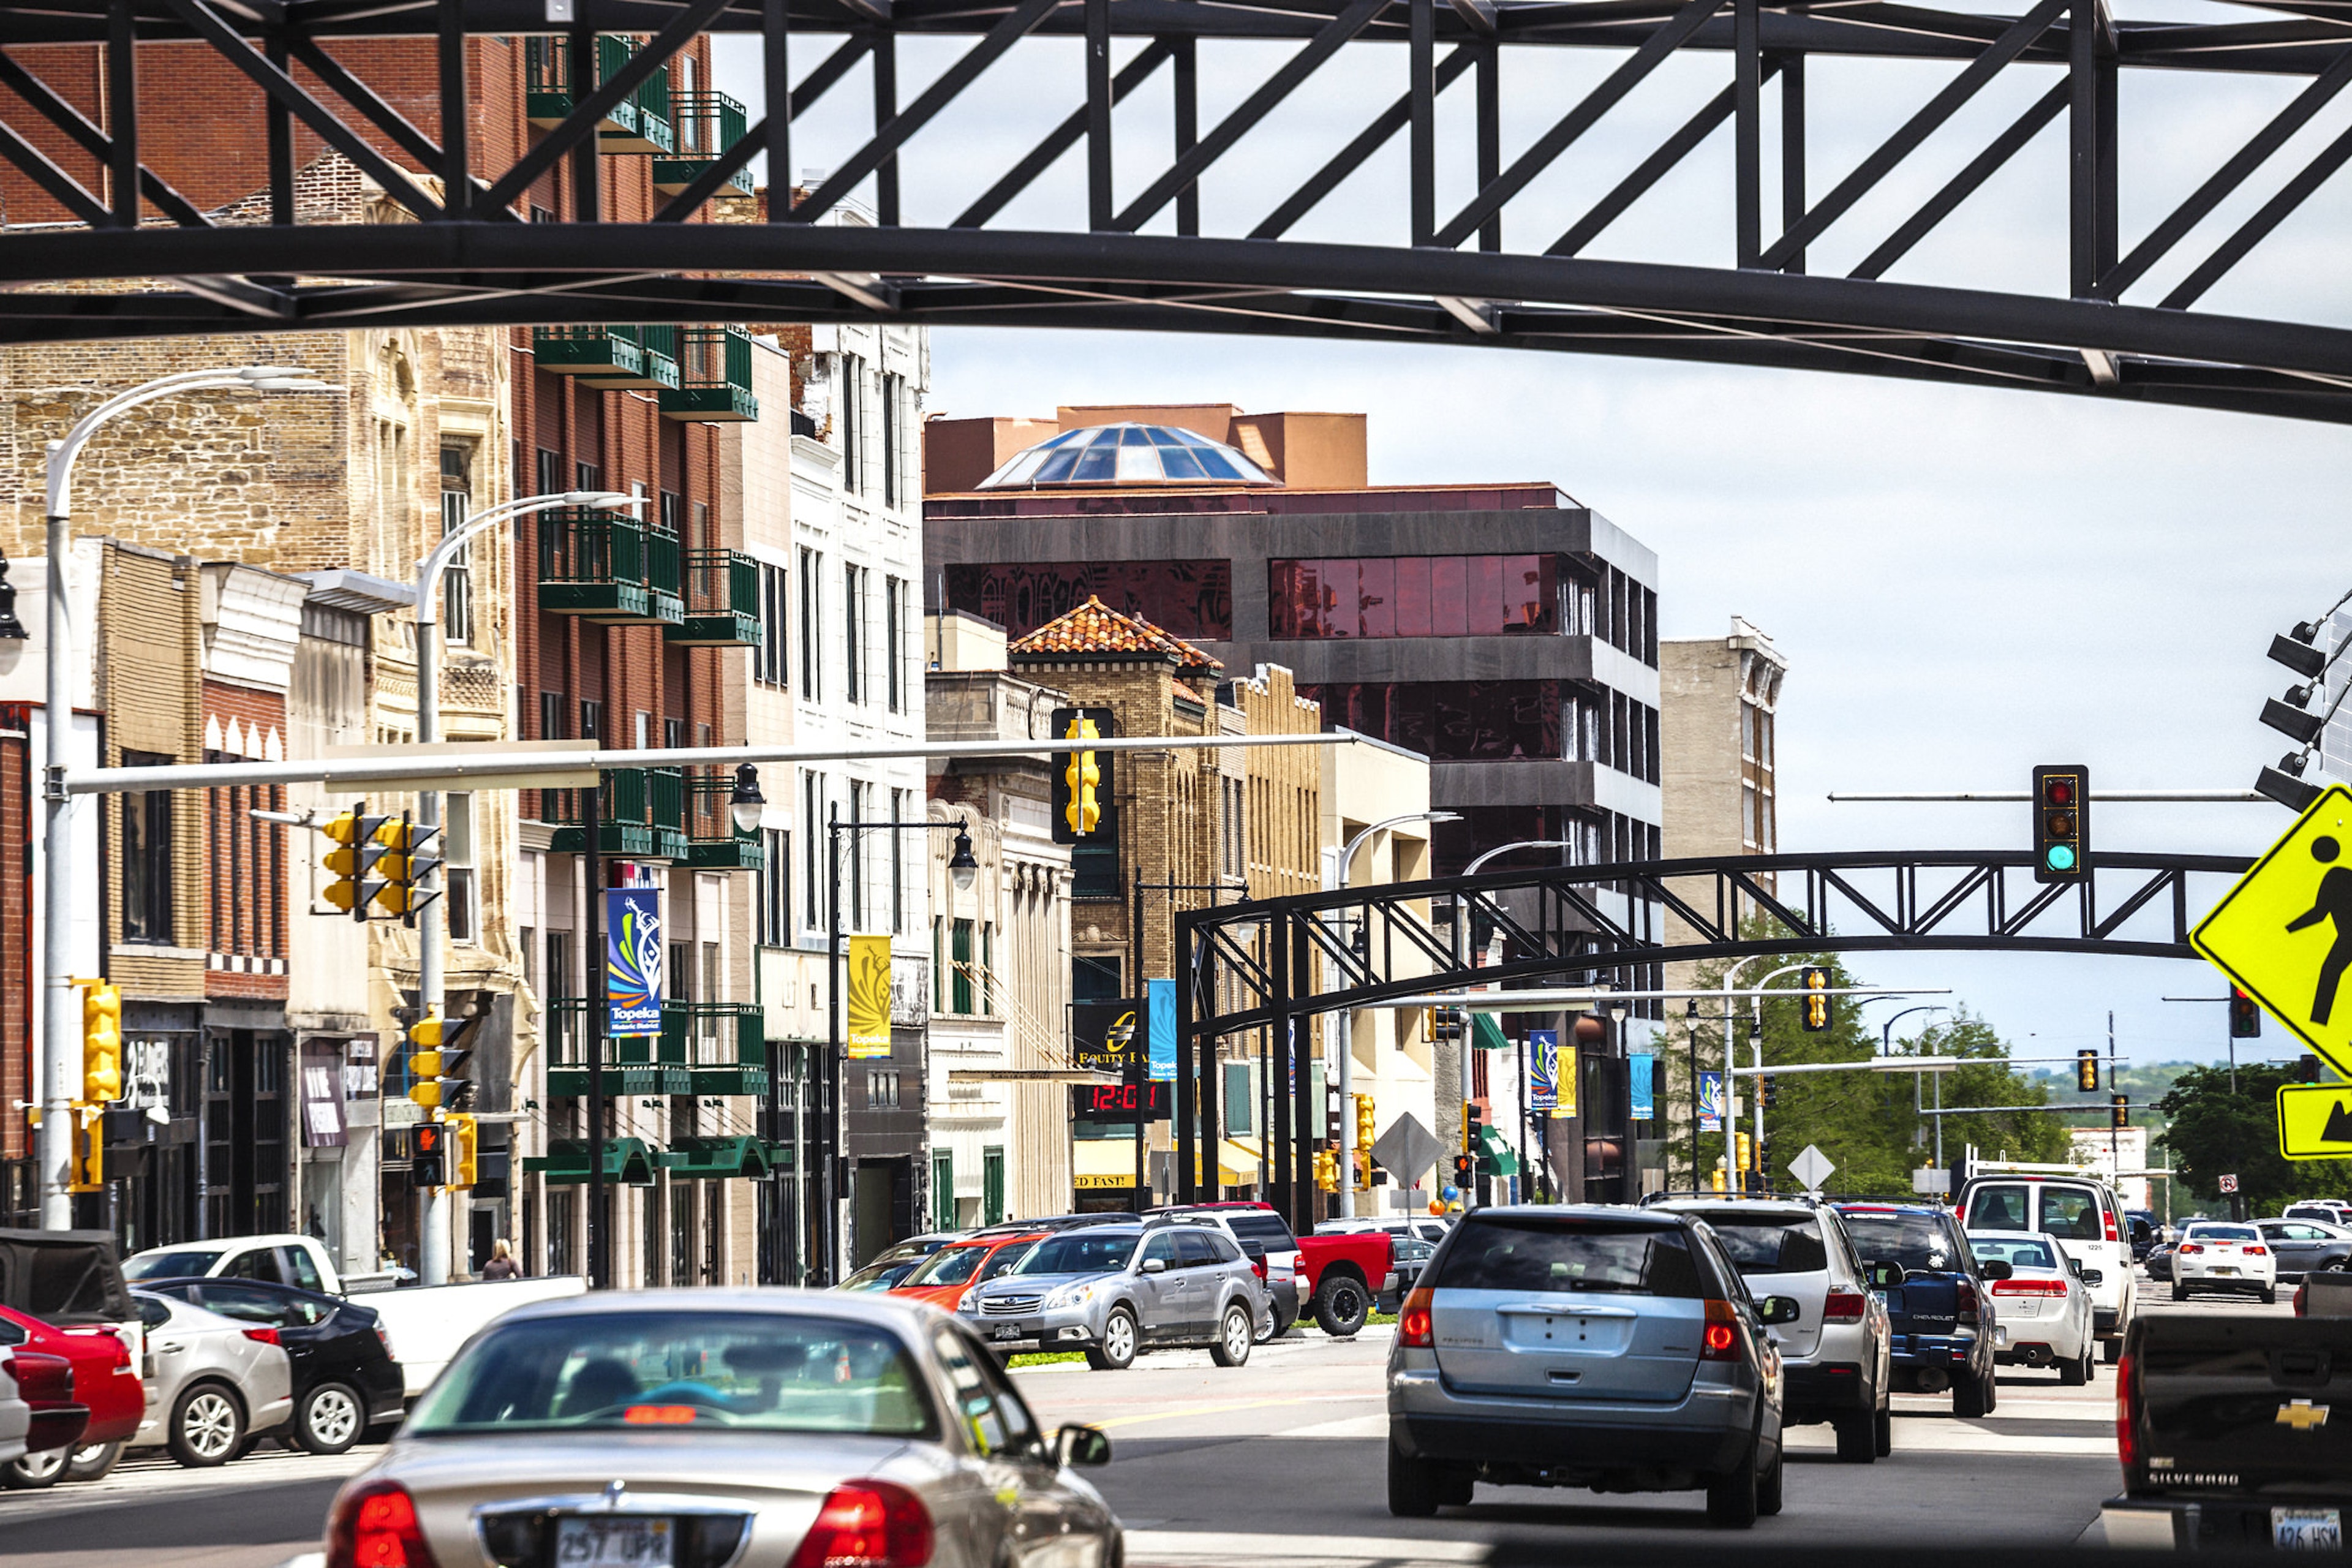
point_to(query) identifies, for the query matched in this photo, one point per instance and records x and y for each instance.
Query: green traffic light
(2059, 857)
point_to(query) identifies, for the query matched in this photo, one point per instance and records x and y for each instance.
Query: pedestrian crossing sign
(2284, 933)
(2315, 1121)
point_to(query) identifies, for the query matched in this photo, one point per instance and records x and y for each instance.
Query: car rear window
(1542, 1254)
(2070, 1214)
(1760, 1246)
(1999, 1205)
(1906, 1240)
(2223, 1233)
(1262, 1227)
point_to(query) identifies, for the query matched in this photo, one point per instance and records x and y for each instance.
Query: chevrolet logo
(2303, 1416)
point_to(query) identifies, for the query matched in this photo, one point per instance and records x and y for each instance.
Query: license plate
(2224, 1269)
(2307, 1529)
(1008, 1332)
(620, 1541)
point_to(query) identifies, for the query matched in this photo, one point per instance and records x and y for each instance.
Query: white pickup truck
(427, 1323)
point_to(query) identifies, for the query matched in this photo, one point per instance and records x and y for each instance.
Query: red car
(104, 1381)
(45, 1384)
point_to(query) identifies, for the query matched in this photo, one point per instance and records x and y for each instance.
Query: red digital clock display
(1119, 1102)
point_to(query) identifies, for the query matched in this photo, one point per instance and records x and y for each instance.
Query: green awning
(1497, 1152)
(717, 1157)
(627, 1161)
(1487, 1033)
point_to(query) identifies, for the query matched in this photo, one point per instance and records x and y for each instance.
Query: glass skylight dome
(1128, 454)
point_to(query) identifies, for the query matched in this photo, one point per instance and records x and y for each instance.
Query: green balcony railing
(640, 812)
(712, 842)
(609, 566)
(635, 1064)
(723, 1045)
(708, 124)
(610, 357)
(638, 123)
(723, 601)
(714, 385)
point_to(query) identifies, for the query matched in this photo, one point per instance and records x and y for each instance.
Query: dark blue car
(1936, 1303)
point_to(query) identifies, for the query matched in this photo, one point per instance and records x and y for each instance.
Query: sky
(1965, 582)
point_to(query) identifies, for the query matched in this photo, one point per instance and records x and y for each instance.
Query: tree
(2216, 1130)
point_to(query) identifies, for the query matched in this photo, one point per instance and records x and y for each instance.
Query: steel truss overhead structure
(2102, 330)
(1270, 963)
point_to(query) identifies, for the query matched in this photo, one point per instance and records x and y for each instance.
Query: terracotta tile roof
(1094, 627)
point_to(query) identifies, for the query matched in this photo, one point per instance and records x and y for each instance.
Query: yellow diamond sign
(2315, 1121)
(2284, 933)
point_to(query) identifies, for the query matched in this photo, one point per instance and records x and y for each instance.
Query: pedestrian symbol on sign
(2332, 904)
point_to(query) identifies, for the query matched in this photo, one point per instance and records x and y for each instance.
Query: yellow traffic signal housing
(2087, 1070)
(465, 1134)
(405, 865)
(101, 1044)
(1084, 776)
(1816, 1000)
(88, 1173)
(358, 847)
(1326, 1170)
(425, 1061)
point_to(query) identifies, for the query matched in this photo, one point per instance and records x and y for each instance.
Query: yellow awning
(1096, 1163)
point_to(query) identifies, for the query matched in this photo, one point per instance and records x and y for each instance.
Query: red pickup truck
(1338, 1277)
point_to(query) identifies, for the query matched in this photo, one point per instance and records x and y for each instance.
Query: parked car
(1611, 1348)
(2216, 1255)
(1115, 1291)
(2045, 1305)
(2084, 1216)
(1940, 1313)
(217, 1383)
(2328, 1211)
(345, 1379)
(888, 1268)
(2143, 1230)
(943, 1277)
(2158, 1262)
(2300, 1246)
(105, 1381)
(16, 1416)
(613, 1428)
(42, 1386)
(428, 1322)
(72, 1281)
(1338, 1276)
(1837, 1353)
(1278, 1269)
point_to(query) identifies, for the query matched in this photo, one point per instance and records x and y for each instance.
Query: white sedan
(2219, 1256)
(2043, 1308)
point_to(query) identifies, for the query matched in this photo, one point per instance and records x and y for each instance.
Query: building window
(147, 857)
(893, 492)
(858, 796)
(1190, 598)
(673, 512)
(853, 626)
(881, 1088)
(550, 716)
(959, 986)
(458, 865)
(853, 424)
(811, 689)
(775, 888)
(814, 834)
(550, 472)
(592, 720)
(1414, 596)
(458, 576)
(893, 630)
(769, 665)
(939, 963)
(898, 864)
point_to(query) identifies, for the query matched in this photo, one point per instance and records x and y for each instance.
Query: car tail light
(42, 1378)
(2301, 1297)
(1844, 1306)
(2029, 1286)
(1964, 1296)
(262, 1336)
(375, 1527)
(2107, 1218)
(1412, 1322)
(867, 1524)
(2255, 1251)
(2127, 1416)
(1719, 1340)
(2186, 1248)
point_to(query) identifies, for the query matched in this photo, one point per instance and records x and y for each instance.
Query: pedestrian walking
(501, 1265)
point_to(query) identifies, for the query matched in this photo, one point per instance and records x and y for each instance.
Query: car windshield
(189, 1264)
(1080, 1252)
(764, 1371)
(948, 1265)
(2021, 1251)
(1906, 1240)
(2223, 1233)
(878, 1275)
(1762, 1245)
(1546, 1254)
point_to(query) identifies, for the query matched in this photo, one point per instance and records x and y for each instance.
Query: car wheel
(1116, 1352)
(2270, 1295)
(1265, 1329)
(207, 1427)
(1857, 1438)
(1972, 1398)
(2112, 1351)
(2075, 1373)
(1731, 1496)
(1768, 1490)
(330, 1419)
(1234, 1337)
(1341, 1306)
(1885, 1431)
(1413, 1486)
(30, 1472)
(94, 1461)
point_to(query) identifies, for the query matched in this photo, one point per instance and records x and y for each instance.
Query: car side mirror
(1883, 1276)
(1993, 1268)
(2091, 1275)
(1779, 1309)
(1082, 1445)
(1155, 1266)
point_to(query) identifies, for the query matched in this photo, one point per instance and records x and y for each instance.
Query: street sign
(2229, 1184)
(2283, 934)
(2315, 1121)
(1811, 1168)
(1407, 1150)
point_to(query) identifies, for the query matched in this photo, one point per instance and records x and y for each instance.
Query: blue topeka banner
(633, 962)
(1643, 1075)
(1160, 1022)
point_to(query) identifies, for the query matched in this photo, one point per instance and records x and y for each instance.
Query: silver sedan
(728, 1429)
(215, 1385)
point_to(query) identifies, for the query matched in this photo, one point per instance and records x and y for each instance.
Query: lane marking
(1185, 1546)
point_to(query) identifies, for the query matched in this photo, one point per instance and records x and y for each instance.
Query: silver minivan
(1585, 1346)
(2083, 1216)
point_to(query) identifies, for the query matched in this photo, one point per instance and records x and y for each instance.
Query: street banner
(1102, 1036)
(633, 963)
(1638, 1067)
(1564, 1074)
(870, 997)
(1160, 1016)
(1711, 1105)
(1543, 1063)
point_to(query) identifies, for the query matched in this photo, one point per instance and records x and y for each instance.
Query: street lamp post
(59, 1024)
(1461, 933)
(962, 868)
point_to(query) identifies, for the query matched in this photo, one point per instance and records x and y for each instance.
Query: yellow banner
(1564, 1076)
(869, 996)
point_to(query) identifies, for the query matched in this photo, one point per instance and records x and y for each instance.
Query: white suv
(2081, 1214)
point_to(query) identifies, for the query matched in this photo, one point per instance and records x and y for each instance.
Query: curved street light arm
(428, 571)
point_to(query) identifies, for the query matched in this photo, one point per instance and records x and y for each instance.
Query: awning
(717, 1157)
(1487, 1033)
(1505, 1158)
(1102, 1162)
(627, 1161)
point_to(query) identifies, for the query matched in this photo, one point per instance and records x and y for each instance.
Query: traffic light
(1465, 1166)
(2086, 1071)
(1447, 1023)
(1817, 1014)
(464, 1138)
(101, 1043)
(1364, 1127)
(2061, 823)
(88, 1173)
(1768, 1093)
(2245, 1017)
(1327, 1171)
(1473, 1125)
(437, 1062)
(1081, 776)
(2295, 651)
(2119, 1111)
(1746, 1151)
(353, 860)
(2307, 1069)
(428, 1155)
(407, 863)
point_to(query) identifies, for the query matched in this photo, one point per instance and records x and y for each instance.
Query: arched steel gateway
(1268, 964)
(2115, 313)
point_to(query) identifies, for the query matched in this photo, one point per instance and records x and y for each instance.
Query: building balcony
(641, 816)
(723, 601)
(608, 567)
(708, 124)
(633, 1065)
(609, 357)
(723, 1045)
(712, 842)
(638, 123)
(714, 385)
